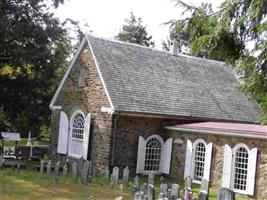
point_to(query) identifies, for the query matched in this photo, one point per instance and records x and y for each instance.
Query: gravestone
(112, 180)
(226, 194)
(65, 171)
(160, 196)
(150, 192)
(125, 177)
(2, 161)
(80, 164)
(74, 171)
(56, 173)
(90, 172)
(175, 190)
(161, 179)
(151, 178)
(137, 182)
(85, 172)
(163, 189)
(169, 194)
(143, 188)
(18, 168)
(205, 185)
(115, 173)
(203, 195)
(48, 167)
(42, 163)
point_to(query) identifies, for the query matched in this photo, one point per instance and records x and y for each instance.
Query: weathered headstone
(137, 182)
(48, 167)
(65, 171)
(115, 173)
(203, 195)
(226, 194)
(18, 168)
(205, 185)
(42, 163)
(164, 189)
(85, 172)
(125, 177)
(150, 192)
(151, 178)
(161, 179)
(175, 190)
(160, 196)
(2, 160)
(74, 171)
(112, 180)
(81, 163)
(56, 172)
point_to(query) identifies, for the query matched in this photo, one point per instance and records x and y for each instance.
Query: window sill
(74, 156)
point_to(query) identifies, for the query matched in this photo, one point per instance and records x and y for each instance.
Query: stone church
(121, 104)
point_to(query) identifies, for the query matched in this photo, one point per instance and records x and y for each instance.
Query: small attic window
(81, 79)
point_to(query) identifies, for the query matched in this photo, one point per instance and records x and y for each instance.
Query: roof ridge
(153, 49)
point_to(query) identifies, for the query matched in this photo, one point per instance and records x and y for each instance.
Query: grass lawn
(30, 184)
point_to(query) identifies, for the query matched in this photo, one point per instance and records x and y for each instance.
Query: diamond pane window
(241, 169)
(153, 153)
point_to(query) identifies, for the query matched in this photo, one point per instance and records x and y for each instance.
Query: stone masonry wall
(178, 157)
(90, 99)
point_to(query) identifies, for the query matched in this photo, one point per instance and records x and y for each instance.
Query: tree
(225, 35)
(34, 47)
(134, 32)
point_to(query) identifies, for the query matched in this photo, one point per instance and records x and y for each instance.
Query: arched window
(241, 156)
(76, 135)
(153, 153)
(199, 149)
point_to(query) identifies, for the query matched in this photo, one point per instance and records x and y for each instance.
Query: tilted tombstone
(137, 182)
(42, 163)
(56, 173)
(164, 189)
(115, 173)
(226, 194)
(175, 190)
(85, 172)
(150, 192)
(151, 178)
(125, 177)
(65, 171)
(48, 167)
(74, 171)
(80, 163)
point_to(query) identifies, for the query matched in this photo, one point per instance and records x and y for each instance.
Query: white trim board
(99, 72)
(233, 134)
(51, 106)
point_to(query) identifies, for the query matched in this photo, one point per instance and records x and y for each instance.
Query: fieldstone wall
(90, 99)
(178, 157)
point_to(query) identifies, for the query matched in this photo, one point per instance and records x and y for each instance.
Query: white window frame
(70, 153)
(189, 165)
(251, 169)
(161, 148)
(198, 141)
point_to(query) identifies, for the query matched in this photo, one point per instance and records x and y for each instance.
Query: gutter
(230, 134)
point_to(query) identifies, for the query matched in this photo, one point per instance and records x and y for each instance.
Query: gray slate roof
(145, 80)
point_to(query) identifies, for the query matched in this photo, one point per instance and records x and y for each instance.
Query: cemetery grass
(29, 184)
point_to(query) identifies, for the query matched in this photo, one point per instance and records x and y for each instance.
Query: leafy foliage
(33, 51)
(225, 34)
(134, 32)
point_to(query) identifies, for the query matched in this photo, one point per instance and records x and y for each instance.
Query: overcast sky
(106, 17)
